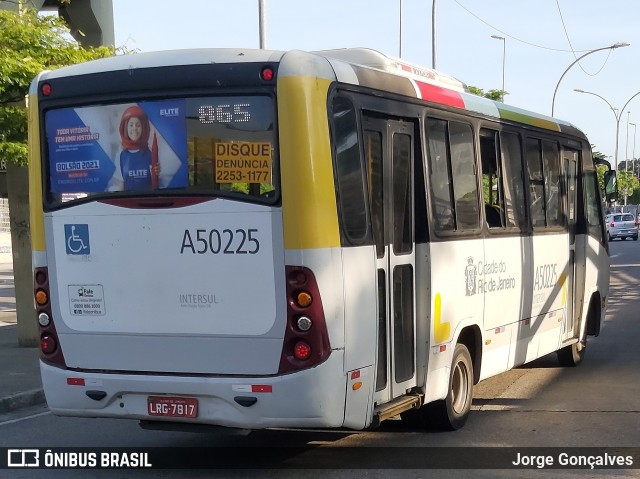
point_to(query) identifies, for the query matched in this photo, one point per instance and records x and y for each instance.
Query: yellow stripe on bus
(563, 285)
(441, 331)
(35, 178)
(308, 193)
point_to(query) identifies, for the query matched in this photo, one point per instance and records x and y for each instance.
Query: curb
(22, 400)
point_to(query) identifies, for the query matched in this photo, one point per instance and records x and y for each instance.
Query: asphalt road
(539, 405)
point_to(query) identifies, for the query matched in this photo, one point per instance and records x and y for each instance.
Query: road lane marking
(13, 421)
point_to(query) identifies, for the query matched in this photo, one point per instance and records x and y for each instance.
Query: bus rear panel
(168, 292)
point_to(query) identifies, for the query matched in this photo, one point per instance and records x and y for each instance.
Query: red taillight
(46, 89)
(48, 344)
(306, 339)
(302, 351)
(613, 225)
(267, 74)
(50, 349)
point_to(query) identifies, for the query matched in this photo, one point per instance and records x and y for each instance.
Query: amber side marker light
(303, 299)
(41, 297)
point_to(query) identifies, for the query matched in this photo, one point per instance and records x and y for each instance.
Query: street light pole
(626, 146)
(617, 113)
(433, 34)
(611, 47)
(626, 153)
(633, 153)
(262, 24)
(400, 40)
(504, 55)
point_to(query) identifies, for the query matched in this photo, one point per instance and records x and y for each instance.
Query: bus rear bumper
(309, 398)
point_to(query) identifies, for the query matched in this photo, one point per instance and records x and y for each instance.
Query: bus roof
(433, 86)
(358, 66)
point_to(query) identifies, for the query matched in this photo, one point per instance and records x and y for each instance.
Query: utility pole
(400, 40)
(433, 35)
(262, 24)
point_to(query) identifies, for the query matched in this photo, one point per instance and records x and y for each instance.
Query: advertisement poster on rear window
(125, 147)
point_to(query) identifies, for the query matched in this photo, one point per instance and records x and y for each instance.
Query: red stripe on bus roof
(437, 94)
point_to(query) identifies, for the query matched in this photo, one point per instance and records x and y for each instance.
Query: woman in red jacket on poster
(138, 164)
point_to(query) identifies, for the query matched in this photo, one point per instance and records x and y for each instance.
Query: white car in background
(621, 225)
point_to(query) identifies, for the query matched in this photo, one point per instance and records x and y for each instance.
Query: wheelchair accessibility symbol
(76, 239)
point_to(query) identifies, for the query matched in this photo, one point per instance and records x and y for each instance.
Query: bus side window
(513, 180)
(593, 205)
(553, 193)
(349, 173)
(454, 190)
(440, 184)
(492, 189)
(373, 158)
(465, 185)
(536, 183)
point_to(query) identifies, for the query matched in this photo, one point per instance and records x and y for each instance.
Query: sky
(542, 39)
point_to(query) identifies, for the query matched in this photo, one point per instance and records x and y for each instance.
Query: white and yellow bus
(254, 239)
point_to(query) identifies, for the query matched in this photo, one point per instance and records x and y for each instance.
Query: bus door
(570, 168)
(390, 152)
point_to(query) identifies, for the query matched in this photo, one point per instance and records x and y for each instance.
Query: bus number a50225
(226, 241)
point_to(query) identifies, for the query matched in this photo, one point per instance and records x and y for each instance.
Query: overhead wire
(566, 33)
(516, 38)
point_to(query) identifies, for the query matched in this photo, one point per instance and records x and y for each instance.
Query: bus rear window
(207, 145)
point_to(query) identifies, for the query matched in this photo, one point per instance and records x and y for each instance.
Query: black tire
(608, 237)
(415, 418)
(452, 412)
(635, 238)
(571, 356)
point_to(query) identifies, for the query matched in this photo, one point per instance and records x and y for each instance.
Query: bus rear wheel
(452, 412)
(571, 356)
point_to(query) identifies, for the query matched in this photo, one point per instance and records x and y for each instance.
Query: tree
(627, 184)
(496, 95)
(634, 199)
(632, 165)
(597, 155)
(29, 43)
(627, 180)
(600, 170)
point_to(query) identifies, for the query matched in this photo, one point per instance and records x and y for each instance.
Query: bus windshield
(222, 146)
